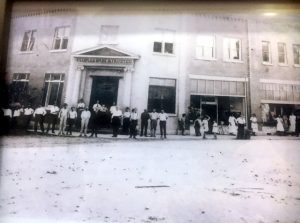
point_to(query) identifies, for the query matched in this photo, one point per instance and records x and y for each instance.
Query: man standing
(85, 117)
(39, 115)
(116, 121)
(241, 127)
(63, 115)
(133, 123)
(144, 122)
(153, 123)
(28, 111)
(163, 124)
(71, 120)
(95, 118)
(7, 116)
(53, 115)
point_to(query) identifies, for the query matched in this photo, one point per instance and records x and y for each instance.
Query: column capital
(80, 67)
(128, 69)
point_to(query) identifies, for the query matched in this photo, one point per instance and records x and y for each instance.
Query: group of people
(286, 125)
(82, 118)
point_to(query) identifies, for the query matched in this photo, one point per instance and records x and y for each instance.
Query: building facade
(219, 64)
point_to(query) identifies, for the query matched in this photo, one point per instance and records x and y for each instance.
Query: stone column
(127, 86)
(76, 84)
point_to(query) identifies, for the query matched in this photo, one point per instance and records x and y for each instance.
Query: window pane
(281, 53)
(64, 44)
(169, 48)
(57, 44)
(157, 47)
(296, 51)
(266, 51)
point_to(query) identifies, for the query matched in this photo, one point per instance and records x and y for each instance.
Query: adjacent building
(220, 64)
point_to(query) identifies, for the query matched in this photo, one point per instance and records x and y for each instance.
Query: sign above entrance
(106, 55)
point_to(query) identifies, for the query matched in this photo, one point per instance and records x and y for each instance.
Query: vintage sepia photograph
(143, 112)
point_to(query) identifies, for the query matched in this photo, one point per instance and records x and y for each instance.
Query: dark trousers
(71, 122)
(162, 125)
(126, 124)
(27, 119)
(133, 132)
(197, 131)
(116, 123)
(144, 128)
(6, 124)
(39, 119)
(153, 127)
(240, 131)
(52, 121)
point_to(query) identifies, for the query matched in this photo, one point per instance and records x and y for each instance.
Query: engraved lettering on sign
(105, 60)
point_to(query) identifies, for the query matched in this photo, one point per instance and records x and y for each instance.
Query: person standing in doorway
(205, 125)
(72, 115)
(163, 124)
(292, 120)
(279, 125)
(215, 129)
(181, 124)
(133, 123)
(53, 116)
(254, 125)
(39, 115)
(241, 127)
(116, 121)
(197, 125)
(85, 117)
(144, 122)
(95, 118)
(153, 123)
(232, 125)
(63, 116)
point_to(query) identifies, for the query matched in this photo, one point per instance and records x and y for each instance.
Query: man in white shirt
(85, 117)
(53, 115)
(71, 120)
(116, 121)
(16, 118)
(133, 123)
(28, 111)
(241, 126)
(63, 115)
(7, 116)
(39, 115)
(153, 123)
(163, 124)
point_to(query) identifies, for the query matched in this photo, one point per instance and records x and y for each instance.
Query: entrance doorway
(104, 89)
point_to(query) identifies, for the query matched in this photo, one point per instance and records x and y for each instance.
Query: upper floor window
(61, 38)
(28, 40)
(296, 51)
(109, 34)
(232, 49)
(266, 52)
(282, 53)
(205, 47)
(164, 41)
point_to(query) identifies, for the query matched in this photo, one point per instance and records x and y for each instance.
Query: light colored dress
(215, 128)
(279, 126)
(232, 125)
(292, 120)
(254, 124)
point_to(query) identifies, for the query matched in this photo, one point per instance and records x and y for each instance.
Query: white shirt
(97, 107)
(134, 116)
(7, 112)
(17, 112)
(81, 105)
(54, 109)
(72, 114)
(154, 115)
(126, 115)
(163, 116)
(28, 111)
(40, 111)
(112, 109)
(117, 113)
(241, 120)
(86, 114)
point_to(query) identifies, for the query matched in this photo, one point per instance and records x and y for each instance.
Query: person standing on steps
(153, 123)
(163, 124)
(63, 116)
(85, 117)
(133, 123)
(144, 122)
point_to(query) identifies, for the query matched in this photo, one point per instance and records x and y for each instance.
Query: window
(296, 51)
(205, 47)
(162, 95)
(53, 87)
(28, 40)
(61, 38)
(266, 52)
(232, 49)
(19, 86)
(282, 53)
(109, 34)
(164, 41)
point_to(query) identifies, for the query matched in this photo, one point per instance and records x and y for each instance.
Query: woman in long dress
(232, 125)
(254, 125)
(279, 126)
(292, 120)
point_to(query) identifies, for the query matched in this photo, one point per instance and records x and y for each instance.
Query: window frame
(163, 42)
(227, 57)
(174, 88)
(17, 80)
(298, 51)
(285, 54)
(55, 38)
(48, 82)
(31, 36)
(205, 47)
(269, 52)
